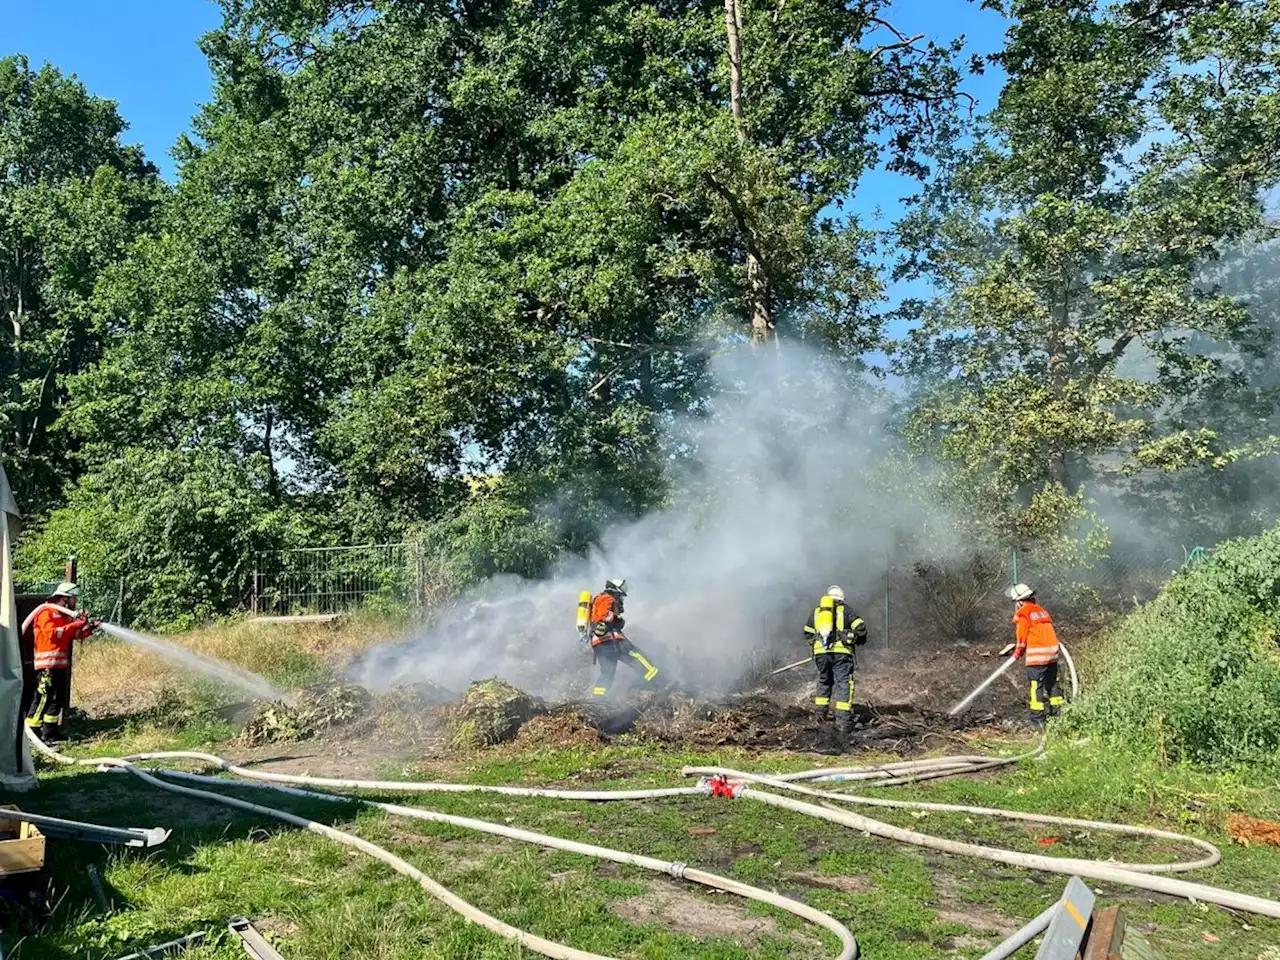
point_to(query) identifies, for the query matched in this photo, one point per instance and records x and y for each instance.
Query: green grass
(320, 900)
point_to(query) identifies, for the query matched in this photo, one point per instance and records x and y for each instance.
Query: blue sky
(143, 55)
(140, 53)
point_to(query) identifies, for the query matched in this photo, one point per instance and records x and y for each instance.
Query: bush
(1195, 674)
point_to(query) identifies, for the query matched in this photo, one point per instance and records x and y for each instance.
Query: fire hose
(548, 948)
(1134, 875)
(1141, 876)
(959, 708)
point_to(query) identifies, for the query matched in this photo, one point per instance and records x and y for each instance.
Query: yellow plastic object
(824, 618)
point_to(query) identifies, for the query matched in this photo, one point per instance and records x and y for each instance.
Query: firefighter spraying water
(55, 626)
(1037, 640)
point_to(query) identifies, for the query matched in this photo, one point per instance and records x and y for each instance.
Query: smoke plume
(775, 502)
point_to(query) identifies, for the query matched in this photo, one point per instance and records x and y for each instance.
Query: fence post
(887, 579)
(255, 585)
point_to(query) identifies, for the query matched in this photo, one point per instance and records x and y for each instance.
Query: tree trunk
(273, 481)
(732, 29)
(1059, 369)
(757, 281)
(758, 290)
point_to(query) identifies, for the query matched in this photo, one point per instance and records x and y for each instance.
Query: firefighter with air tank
(600, 623)
(835, 632)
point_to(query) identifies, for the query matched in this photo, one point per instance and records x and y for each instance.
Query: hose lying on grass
(1211, 857)
(548, 948)
(1131, 875)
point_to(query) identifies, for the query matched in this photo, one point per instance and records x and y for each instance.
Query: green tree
(72, 199)
(419, 242)
(1076, 333)
(180, 528)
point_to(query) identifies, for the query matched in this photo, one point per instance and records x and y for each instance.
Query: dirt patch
(694, 916)
(561, 731)
(952, 909)
(771, 721)
(845, 884)
(956, 944)
(276, 928)
(341, 759)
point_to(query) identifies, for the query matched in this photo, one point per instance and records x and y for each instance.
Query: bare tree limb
(891, 28)
(905, 43)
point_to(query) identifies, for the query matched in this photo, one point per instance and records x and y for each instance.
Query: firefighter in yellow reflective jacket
(835, 632)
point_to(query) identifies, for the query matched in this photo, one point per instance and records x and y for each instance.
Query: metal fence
(103, 597)
(903, 595)
(319, 580)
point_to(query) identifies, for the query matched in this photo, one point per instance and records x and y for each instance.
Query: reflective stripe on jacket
(53, 631)
(1033, 630)
(847, 630)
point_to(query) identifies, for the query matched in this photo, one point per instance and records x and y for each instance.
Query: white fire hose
(548, 948)
(1140, 876)
(959, 708)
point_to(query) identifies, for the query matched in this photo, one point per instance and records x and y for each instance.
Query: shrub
(1195, 674)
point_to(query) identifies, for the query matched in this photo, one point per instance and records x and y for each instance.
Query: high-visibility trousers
(1044, 697)
(612, 652)
(835, 685)
(53, 696)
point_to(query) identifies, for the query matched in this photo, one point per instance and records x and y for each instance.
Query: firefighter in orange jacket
(1035, 637)
(54, 632)
(609, 644)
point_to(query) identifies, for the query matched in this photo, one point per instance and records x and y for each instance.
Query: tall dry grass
(112, 676)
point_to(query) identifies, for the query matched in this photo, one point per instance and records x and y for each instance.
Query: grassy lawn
(317, 899)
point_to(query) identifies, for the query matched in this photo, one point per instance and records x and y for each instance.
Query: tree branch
(892, 29)
(906, 43)
(44, 386)
(739, 214)
(1117, 348)
(651, 347)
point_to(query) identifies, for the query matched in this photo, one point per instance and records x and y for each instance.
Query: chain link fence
(906, 600)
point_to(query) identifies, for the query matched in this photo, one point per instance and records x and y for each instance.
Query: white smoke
(774, 502)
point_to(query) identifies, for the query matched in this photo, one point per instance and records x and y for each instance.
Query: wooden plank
(1137, 948)
(1106, 935)
(25, 852)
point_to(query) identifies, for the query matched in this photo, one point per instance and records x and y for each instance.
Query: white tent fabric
(16, 772)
